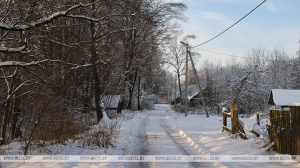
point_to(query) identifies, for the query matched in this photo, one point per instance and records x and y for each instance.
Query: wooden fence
(236, 128)
(280, 131)
(295, 130)
(285, 130)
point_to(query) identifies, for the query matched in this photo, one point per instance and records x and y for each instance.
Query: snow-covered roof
(111, 101)
(280, 97)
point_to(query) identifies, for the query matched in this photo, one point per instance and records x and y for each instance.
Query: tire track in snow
(143, 146)
(180, 142)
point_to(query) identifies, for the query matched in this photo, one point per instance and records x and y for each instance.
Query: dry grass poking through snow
(102, 134)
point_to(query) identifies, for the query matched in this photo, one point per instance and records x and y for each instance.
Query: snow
(284, 97)
(206, 136)
(124, 144)
(293, 104)
(245, 126)
(163, 132)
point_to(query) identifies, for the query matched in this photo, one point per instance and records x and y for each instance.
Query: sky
(274, 25)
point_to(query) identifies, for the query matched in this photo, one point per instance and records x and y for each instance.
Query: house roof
(282, 97)
(197, 95)
(111, 101)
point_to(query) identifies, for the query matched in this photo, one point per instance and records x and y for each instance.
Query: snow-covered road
(157, 137)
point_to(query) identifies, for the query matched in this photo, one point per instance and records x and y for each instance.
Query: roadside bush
(102, 134)
(148, 101)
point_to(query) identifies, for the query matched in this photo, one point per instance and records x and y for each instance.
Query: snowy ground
(205, 135)
(163, 132)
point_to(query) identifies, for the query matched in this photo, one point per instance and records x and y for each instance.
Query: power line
(230, 26)
(222, 53)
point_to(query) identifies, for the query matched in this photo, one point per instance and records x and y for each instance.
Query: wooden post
(224, 120)
(234, 118)
(257, 119)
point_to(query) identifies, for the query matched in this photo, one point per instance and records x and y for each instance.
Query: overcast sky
(275, 24)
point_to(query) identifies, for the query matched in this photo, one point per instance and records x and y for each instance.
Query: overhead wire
(222, 53)
(230, 26)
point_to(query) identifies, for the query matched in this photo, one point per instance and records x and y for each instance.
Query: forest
(60, 58)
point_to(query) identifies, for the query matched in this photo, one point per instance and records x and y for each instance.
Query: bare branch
(13, 50)
(54, 16)
(33, 63)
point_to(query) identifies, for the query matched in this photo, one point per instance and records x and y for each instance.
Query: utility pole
(186, 75)
(198, 83)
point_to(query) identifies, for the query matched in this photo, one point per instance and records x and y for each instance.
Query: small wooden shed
(111, 102)
(284, 124)
(196, 100)
(282, 98)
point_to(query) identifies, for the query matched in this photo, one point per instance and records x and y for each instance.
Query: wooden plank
(241, 129)
(243, 136)
(293, 116)
(271, 126)
(227, 129)
(234, 118)
(284, 135)
(279, 131)
(226, 114)
(292, 112)
(289, 134)
(298, 132)
(295, 132)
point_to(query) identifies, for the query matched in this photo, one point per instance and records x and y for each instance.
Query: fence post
(224, 120)
(234, 118)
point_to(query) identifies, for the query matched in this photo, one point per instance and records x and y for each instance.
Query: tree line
(249, 82)
(59, 58)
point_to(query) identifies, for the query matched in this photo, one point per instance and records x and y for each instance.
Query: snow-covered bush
(148, 100)
(102, 134)
(263, 140)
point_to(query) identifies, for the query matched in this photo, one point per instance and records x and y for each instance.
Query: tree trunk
(96, 80)
(5, 116)
(16, 111)
(139, 93)
(179, 86)
(131, 89)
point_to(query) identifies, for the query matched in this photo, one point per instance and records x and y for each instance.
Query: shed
(177, 100)
(196, 100)
(111, 102)
(281, 97)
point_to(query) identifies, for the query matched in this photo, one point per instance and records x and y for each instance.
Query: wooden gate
(280, 131)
